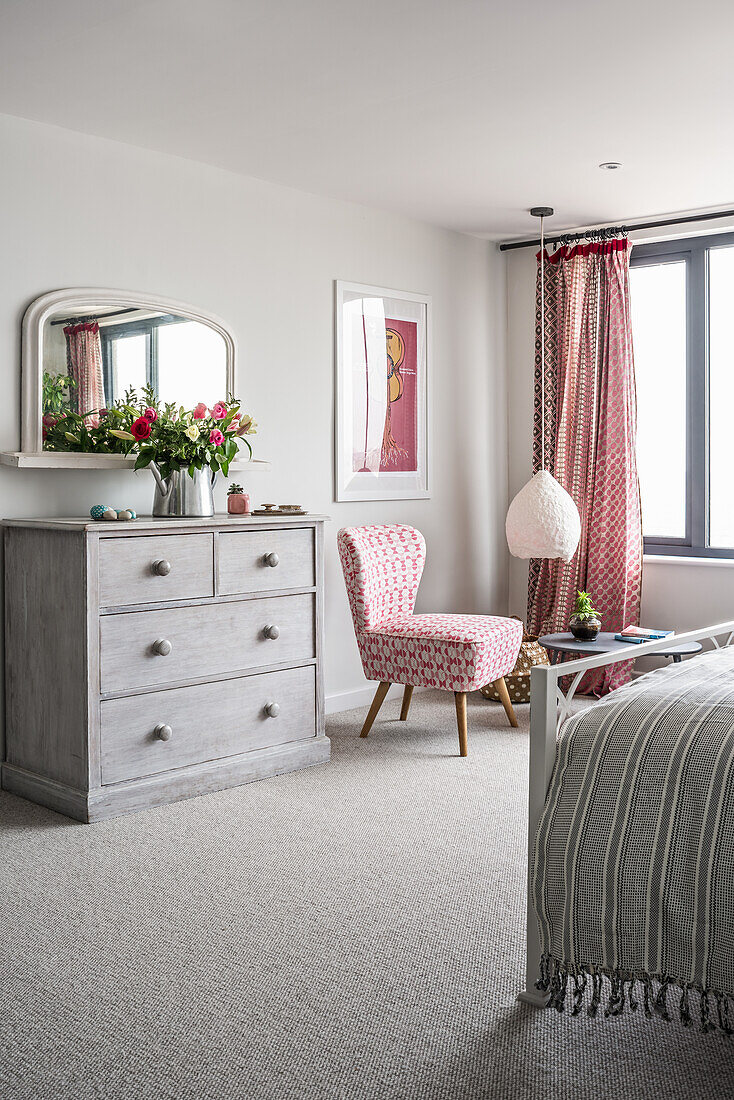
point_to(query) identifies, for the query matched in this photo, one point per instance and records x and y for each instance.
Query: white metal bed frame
(549, 709)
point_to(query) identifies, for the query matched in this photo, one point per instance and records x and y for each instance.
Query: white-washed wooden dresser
(153, 660)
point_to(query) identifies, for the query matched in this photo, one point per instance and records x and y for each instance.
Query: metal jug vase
(180, 494)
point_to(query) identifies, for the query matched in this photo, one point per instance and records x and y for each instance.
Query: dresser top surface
(146, 524)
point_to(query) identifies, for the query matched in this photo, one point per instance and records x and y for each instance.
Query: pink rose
(200, 411)
(140, 428)
(150, 415)
(49, 420)
(216, 437)
(219, 411)
(104, 412)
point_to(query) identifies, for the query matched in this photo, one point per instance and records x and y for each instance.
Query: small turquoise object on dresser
(98, 510)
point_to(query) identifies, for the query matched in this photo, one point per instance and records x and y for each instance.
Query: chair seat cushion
(451, 652)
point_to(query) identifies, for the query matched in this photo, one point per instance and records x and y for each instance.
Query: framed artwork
(382, 358)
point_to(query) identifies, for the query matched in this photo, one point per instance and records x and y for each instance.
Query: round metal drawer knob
(161, 568)
(272, 710)
(163, 732)
(272, 560)
(272, 632)
(162, 647)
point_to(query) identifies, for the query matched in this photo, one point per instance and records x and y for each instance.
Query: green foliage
(168, 435)
(56, 389)
(234, 489)
(584, 608)
(70, 431)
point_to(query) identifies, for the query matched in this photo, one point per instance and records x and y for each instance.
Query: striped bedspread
(633, 866)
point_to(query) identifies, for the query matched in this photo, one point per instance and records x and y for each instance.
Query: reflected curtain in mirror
(84, 363)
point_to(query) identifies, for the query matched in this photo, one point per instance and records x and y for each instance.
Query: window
(184, 361)
(681, 295)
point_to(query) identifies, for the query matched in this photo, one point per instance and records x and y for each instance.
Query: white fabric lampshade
(543, 521)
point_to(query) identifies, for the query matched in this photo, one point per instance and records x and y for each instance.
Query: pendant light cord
(542, 344)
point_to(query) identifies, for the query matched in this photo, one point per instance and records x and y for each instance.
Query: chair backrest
(382, 570)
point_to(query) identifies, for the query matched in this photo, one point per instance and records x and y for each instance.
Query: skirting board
(362, 697)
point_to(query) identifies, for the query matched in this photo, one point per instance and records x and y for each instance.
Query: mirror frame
(34, 319)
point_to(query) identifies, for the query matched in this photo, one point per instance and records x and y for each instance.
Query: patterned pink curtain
(590, 442)
(84, 360)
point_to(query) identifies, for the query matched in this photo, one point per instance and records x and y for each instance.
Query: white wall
(79, 211)
(679, 595)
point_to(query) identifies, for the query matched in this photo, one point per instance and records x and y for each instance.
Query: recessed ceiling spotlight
(610, 165)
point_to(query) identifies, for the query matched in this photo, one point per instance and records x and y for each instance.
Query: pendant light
(542, 520)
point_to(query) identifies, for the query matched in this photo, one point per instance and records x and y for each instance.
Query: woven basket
(518, 681)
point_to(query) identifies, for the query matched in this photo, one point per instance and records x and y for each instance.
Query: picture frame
(382, 359)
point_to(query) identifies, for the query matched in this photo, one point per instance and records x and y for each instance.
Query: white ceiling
(460, 112)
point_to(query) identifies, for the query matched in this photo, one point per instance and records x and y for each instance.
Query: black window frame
(694, 251)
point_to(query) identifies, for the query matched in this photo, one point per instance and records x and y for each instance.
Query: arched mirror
(85, 349)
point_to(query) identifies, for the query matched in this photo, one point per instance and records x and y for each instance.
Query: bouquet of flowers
(171, 436)
(179, 439)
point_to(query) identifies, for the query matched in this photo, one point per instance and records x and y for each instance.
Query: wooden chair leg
(460, 697)
(407, 696)
(501, 688)
(376, 704)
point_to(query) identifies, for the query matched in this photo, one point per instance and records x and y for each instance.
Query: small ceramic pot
(584, 629)
(238, 504)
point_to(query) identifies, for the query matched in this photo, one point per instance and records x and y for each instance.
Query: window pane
(129, 364)
(658, 294)
(721, 396)
(192, 364)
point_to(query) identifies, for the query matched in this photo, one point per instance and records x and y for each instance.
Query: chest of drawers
(157, 660)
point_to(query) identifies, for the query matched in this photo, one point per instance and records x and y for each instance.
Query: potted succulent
(585, 622)
(238, 502)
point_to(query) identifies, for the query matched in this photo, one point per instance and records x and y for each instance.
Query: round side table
(562, 645)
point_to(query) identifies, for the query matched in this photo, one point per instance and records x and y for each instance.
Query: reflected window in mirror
(178, 359)
(90, 361)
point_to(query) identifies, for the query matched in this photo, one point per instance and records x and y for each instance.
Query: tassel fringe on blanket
(658, 995)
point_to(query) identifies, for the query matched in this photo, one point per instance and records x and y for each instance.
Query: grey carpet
(351, 931)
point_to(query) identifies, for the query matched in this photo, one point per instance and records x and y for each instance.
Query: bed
(631, 839)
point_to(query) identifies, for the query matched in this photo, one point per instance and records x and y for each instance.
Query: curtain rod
(94, 316)
(578, 233)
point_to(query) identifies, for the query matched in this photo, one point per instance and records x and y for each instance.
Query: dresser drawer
(156, 568)
(184, 643)
(206, 722)
(255, 561)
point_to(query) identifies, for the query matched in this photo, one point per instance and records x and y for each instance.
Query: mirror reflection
(92, 359)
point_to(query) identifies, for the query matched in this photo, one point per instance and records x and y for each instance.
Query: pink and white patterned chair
(460, 653)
